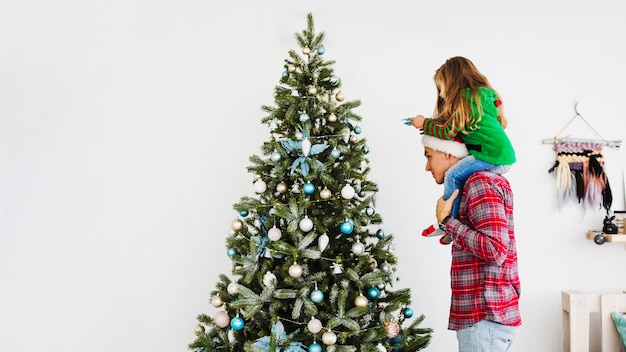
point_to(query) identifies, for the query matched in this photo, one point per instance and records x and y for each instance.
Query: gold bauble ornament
(216, 301)
(392, 328)
(199, 330)
(325, 194)
(332, 118)
(329, 338)
(295, 271)
(281, 187)
(339, 96)
(361, 301)
(236, 225)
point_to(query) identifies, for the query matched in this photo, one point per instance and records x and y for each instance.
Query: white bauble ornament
(306, 147)
(332, 118)
(322, 242)
(295, 270)
(314, 325)
(216, 301)
(269, 279)
(306, 50)
(329, 338)
(358, 248)
(260, 186)
(275, 157)
(274, 233)
(381, 348)
(236, 225)
(386, 267)
(232, 288)
(312, 90)
(306, 224)
(361, 301)
(281, 187)
(291, 68)
(221, 319)
(348, 192)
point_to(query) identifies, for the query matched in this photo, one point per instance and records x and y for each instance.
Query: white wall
(127, 127)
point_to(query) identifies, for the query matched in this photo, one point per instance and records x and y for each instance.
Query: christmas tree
(312, 268)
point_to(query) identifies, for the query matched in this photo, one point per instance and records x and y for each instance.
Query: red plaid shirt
(484, 277)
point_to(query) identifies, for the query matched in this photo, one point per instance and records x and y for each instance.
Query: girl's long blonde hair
(457, 74)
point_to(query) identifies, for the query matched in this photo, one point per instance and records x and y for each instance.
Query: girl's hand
(418, 121)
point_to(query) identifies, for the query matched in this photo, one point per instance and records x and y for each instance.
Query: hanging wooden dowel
(613, 144)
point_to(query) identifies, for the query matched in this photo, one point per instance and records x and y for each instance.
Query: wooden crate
(577, 307)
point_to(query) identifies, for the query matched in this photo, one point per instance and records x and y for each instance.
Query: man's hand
(444, 207)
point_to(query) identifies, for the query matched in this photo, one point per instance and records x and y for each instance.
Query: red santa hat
(454, 147)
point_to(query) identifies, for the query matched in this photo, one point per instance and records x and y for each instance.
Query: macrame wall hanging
(579, 169)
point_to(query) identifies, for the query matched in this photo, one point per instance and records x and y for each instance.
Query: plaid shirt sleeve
(484, 277)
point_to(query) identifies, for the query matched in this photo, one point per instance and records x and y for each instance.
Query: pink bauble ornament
(295, 270)
(236, 225)
(221, 319)
(274, 233)
(314, 325)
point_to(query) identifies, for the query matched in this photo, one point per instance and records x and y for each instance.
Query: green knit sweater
(488, 141)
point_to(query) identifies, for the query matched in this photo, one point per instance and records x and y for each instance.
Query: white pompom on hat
(454, 147)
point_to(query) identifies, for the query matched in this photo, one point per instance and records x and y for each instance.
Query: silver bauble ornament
(269, 279)
(260, 186)
(232, 288)
(358, 248)
(306, 224)
(348, 192)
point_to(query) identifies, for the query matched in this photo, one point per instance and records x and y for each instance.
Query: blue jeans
(486, 336)
(458, 173)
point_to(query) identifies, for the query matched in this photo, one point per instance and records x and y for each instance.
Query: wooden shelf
(616, 238)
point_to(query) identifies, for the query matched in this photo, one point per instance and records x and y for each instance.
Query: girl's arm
(446, 130)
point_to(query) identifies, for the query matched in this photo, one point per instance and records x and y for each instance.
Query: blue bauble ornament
(315, 347)
(243, 213)
(237, 323)
(334, 80)
(366, 149)
(373, 293)
(408, 312)
(308, 188)
(285, 73)
(232, 251)
(370, 211)
(304, 117)
(316, 296)
(346, 227)
(380, 234)
(321, 50)
(357, 129)
(335, 153)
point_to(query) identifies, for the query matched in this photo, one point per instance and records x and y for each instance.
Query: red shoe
(432, 230)
(445, 239)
